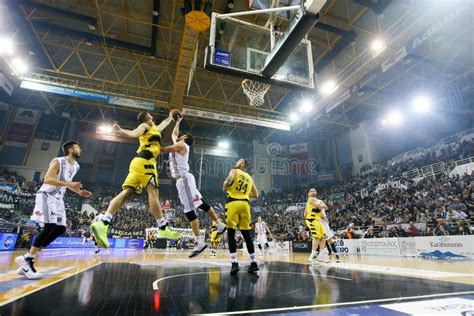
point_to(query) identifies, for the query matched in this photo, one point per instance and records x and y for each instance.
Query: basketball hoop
(255, 91)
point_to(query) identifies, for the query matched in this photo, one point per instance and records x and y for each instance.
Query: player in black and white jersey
(49, 208)
(261, 229)
(188, 193)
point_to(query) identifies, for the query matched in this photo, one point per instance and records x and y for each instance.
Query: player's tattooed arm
(228, 182)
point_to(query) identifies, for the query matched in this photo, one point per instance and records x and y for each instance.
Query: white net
(255, 91)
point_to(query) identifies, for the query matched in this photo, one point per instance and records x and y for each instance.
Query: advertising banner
(445, 247)
(22, 128)
(380, 246)
(237, 119)
(7, 241)
(301, 246)
(77, 242)
(407, 246)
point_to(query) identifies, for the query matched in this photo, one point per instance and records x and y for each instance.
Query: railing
(426, 171)
(459, 163)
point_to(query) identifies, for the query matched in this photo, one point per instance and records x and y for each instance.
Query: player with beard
(49, 208)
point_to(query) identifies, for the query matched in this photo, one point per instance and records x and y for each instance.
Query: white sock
(313, 254)
(161, 222)
(29, 255)
(253, 257)
(107, 217)
(233, 257)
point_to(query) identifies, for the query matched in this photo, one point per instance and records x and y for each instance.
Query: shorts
(316, 228)
(213, 237)
(238, 215)
(327, 230)
(141, 172)
(262, 239)
(188, 194)
(49, 210)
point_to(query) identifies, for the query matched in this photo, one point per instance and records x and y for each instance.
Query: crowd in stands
(433, 206)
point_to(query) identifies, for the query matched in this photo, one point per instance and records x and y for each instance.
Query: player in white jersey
(330, 237)
(49, 208)
(188, 194)
(261, 229)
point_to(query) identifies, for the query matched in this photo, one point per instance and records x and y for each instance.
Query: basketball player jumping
(240, 188)
(188, 194)
(49, 208)
(142, 174)
(313, 213)
(261, 228)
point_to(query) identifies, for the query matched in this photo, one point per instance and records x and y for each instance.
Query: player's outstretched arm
(175, 133)
(178, 147)
(137, 132)
(228, 182)
(164, 124)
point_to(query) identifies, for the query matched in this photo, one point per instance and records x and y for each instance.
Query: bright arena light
(378, 45)
(19, 65)
(306, 106)
(328, 87)
(106, 129)
(421, 104)
(293, 117)
(6, 46)
(224, 144)
(395, 118)
(384, 122)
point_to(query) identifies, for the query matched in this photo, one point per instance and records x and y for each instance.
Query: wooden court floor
(145, 282)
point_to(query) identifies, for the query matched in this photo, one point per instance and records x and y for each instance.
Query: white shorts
(327, 230)
(188, 194)
(262, 239)
(49, 210)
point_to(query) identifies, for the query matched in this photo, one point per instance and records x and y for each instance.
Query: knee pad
(191, 216)
(204, 206)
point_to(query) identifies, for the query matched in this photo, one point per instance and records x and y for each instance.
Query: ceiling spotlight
(421, 104)
(223, 144)
(378, 45)
(6, 46)
(92, 27)
(19, 65)
(294, 117)
(328, 87)
(395, 117)
(306, 106)
(384, 122)
(155, 13)
(88, 43)
(105, 129)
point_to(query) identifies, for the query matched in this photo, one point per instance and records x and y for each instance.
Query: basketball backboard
(260, 45)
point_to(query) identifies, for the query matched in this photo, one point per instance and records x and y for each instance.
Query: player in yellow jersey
(313, 213)
(142, 174)
(215, 238)
(240, 188)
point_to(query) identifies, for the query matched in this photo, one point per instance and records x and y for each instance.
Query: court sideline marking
(397, 299)
(17, 297)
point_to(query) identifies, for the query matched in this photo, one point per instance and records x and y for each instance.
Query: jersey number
(241, 186)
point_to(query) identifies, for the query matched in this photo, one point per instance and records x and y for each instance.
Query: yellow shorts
(141, 172)
(316, 228)
(213, 237)
(238, 215)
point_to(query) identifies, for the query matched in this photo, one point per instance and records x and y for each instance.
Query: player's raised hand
(74, 186)
(85, 193)
(116, 128)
